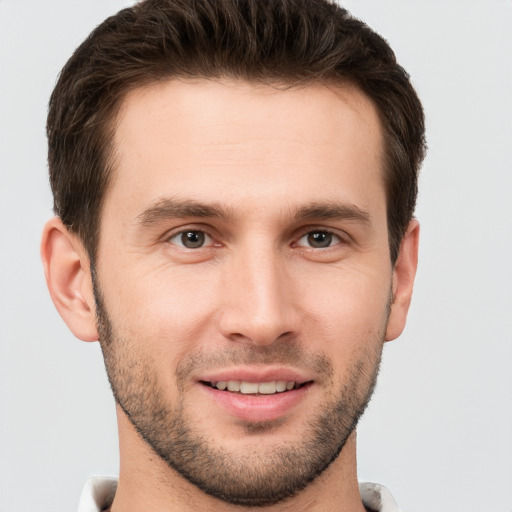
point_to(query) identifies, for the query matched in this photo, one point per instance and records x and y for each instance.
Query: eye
(191, 239)
(318, 239)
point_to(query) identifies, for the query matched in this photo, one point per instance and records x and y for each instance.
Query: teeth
(281, 386)
(248, 388)
(267, 388)
(253, 388)
(233, 385)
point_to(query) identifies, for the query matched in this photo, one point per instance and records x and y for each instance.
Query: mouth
(257, 394)
(243, 387)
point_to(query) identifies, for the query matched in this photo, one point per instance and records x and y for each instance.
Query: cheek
(350, 326)
(165, 311)
(171, 311)
(347, 307)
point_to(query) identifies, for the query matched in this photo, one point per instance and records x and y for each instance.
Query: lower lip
(258, 408)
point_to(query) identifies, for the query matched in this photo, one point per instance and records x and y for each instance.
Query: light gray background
(438, 431)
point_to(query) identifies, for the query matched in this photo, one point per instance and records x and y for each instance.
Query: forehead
(232, 141)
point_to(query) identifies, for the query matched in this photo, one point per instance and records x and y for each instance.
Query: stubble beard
(261, 475)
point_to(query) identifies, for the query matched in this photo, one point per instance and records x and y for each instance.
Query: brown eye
(191, 239)
(318, 239)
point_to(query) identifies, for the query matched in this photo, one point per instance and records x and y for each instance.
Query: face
(243, 278)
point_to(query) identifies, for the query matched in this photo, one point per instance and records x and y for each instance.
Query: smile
(254, 388)
(252, 401)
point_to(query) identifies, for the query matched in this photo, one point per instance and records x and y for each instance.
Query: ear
(68, 277)
(403, 280)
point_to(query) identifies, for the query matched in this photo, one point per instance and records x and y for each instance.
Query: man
(234, 185)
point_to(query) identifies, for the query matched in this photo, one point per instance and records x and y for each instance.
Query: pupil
(192, 239)
(320, 239)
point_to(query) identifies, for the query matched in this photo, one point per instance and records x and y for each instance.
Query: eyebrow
(170, 208)
(332, 211)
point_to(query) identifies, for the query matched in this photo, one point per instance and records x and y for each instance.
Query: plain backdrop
(438, 431)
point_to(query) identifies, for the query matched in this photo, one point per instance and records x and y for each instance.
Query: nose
(259, 306)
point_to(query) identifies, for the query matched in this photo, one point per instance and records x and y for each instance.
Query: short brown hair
(287, 42)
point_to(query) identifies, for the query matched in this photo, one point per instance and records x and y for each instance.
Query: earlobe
(67, 272)
(403, 281)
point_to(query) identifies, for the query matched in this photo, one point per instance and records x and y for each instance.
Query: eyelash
(330, 233)
(169, 239)
(305, 233)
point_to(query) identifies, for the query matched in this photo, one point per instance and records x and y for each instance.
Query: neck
(147, 483)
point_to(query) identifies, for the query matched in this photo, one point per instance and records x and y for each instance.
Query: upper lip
(254, 374)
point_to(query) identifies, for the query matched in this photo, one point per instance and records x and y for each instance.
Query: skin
(268, 167)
